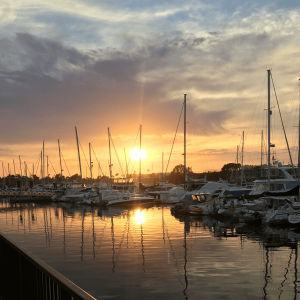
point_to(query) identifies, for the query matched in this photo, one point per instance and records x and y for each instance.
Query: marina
(149, 150)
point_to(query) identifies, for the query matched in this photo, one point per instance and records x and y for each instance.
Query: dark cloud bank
(46, 88)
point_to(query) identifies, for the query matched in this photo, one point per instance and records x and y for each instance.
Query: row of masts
(270, 145)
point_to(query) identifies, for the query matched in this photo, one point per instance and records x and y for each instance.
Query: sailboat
(137, 198)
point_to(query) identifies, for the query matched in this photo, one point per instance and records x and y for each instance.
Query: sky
(122, 64)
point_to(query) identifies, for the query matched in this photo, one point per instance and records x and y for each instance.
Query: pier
(24, 276)
(25, 196)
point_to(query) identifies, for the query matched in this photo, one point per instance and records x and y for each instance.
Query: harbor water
(146, 253)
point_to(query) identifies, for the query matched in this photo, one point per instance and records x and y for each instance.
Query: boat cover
(292, 192)
(144, 188)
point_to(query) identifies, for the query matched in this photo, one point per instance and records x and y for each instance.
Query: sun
(135, 154)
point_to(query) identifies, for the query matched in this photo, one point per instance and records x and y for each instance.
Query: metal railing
(24, 276)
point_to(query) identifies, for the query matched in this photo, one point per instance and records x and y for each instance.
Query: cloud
(133, 67)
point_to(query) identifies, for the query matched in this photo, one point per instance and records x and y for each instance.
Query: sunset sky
(122, 64)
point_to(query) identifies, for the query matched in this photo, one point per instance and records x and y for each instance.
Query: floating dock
(25, 196)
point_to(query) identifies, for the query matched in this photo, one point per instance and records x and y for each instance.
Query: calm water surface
(147, 253)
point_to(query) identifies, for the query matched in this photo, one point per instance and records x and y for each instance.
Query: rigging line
(52, 166)
(65, 163)
(134, 145)
(194, 126)
(296, 136)
(174, 140)
(198, 133)
(260, 96)
(112, 141)
(38, 163)
(255, 132)
(84, 155)
(265, 77)
(97, 161)
(288, 115)
(283, 125)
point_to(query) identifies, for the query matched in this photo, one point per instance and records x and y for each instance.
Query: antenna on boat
(269, 131)
(78, 154)
(184, 167)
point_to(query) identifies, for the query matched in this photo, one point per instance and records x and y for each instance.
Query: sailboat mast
(43, 174)
(140, 165)
(14, 167)
(25, 167)
(8, 175)
(3, 173)
(242, 162)
(109, 159)
(269, 129)
(162, 170)
(42, 167)
(32, 175)
(184, 154)
(78, 153)
(91, 164)
(261, 154)
(20, 171)
(60, 161)
(126, 164)
(299, 142)
(48, 170)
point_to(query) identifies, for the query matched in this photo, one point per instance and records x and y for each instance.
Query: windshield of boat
(201, 198)
(262, 187)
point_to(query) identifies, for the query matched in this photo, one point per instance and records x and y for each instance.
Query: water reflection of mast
(163, 223)
(142, 243)
(94, 238)
(285, 275)
(186, 229)
(296, 271)
(171, 248)
(82, 234)
(64, 226)
(266, 274)
(46, 226)
(113, 244)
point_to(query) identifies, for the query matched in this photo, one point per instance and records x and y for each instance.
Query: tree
(177, 174)
(227, 169)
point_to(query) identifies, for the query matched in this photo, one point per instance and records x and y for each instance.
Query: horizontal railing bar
(62, 281)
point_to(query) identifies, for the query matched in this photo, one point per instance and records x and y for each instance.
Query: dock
(25, 196)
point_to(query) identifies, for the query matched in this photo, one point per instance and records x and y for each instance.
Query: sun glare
(135, 154)
(139, 217)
